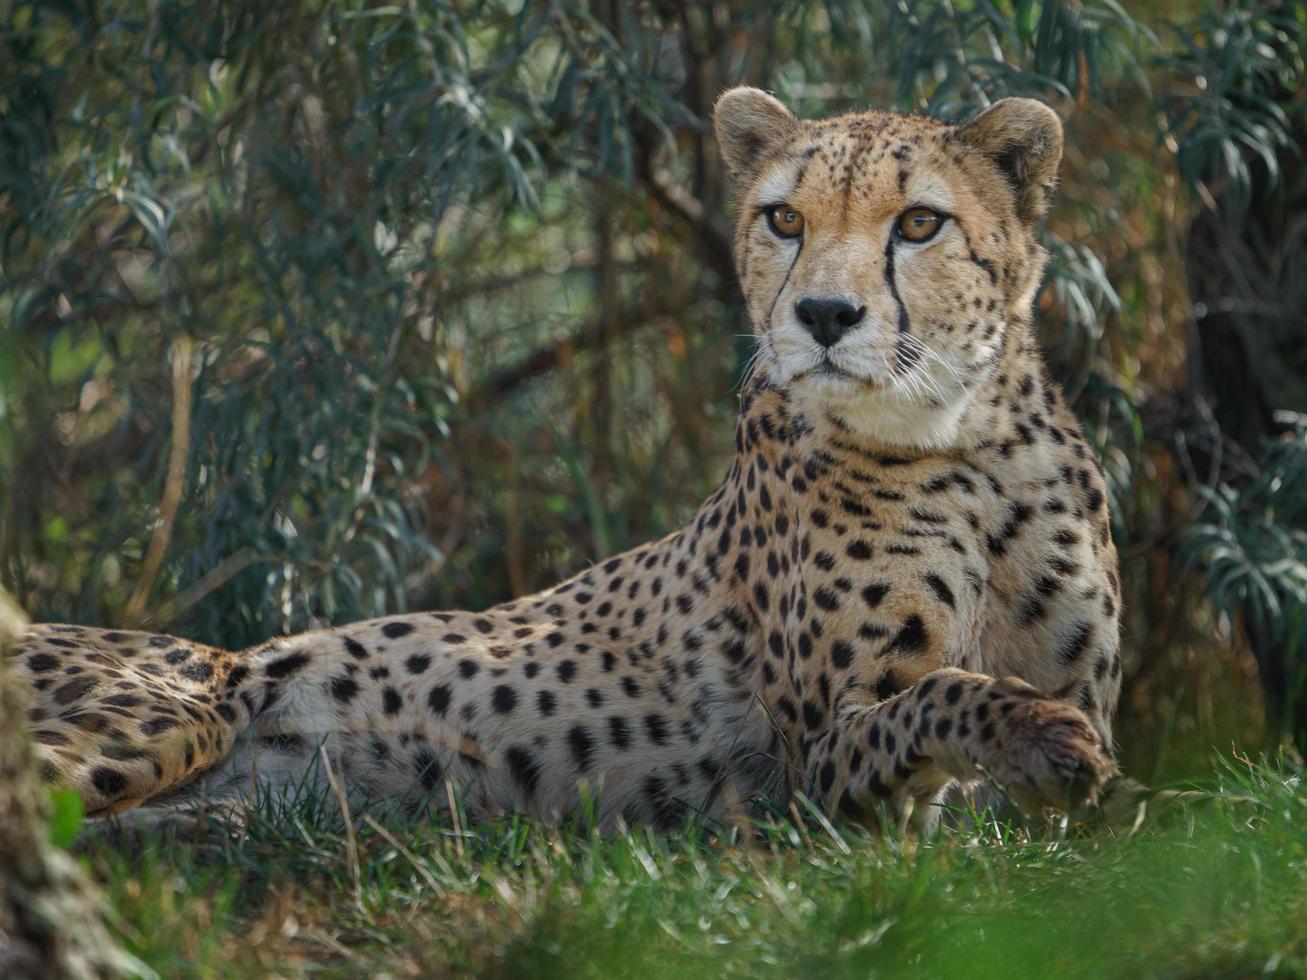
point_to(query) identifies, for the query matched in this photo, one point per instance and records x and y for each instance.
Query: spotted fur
(905, 580)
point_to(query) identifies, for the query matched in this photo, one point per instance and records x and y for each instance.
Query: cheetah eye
(785, 221)
(920, 224)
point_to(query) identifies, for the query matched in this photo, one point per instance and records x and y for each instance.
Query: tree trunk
(50, 915)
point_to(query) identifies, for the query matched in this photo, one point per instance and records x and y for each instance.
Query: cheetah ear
(1024, 138)
(750, 126)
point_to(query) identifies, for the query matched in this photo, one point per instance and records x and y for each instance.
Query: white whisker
(918, 382)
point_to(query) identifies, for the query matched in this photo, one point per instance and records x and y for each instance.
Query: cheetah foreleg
(956, 726)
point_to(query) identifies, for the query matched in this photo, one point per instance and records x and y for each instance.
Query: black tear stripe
(794, 188)
(784, 282)
(894, 289)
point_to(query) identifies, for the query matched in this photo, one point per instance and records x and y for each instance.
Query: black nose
(828, 319)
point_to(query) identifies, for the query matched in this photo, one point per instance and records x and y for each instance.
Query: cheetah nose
(828, 319)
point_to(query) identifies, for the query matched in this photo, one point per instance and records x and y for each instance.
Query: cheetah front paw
(1046, 754)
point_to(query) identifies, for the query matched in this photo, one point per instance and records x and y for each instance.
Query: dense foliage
(311, 311)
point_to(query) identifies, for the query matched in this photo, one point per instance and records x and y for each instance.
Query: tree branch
(544, 360)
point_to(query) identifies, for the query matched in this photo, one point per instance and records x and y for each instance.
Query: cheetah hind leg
(123, 717)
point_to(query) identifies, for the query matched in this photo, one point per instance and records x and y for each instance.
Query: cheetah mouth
(827, 373)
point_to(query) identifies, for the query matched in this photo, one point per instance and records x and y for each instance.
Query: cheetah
(906, 581)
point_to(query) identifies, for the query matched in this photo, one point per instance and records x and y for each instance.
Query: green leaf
(67, 814)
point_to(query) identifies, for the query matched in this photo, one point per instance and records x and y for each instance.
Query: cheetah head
(886, 259)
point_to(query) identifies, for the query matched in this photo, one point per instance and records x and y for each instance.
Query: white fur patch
(777, 186)
(886, 415)
(928, 190)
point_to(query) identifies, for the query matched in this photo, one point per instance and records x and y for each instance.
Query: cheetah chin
(905, 581)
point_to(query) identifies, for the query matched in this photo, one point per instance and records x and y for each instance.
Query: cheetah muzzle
(905, 581)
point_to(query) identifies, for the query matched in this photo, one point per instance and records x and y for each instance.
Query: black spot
(887, 686)
(858, 550)
(1018, 513)
(841, 654)
(775, 644)
(391, 702)
(656, 725)
(198, 671)
(287, 665)
(160, 724)
(582, 744)
(873, 737)
(418, 663)
(666, 810)
(1031, 610)
(1074, 645)
(827, 776)
(71, 691)
(812, 715)
(504, 699)
(546, 702)
(110, 782)
(396, 630)
(40, 663)
(344, 689)
(427, 768)
(855, 509)
(566, 671)
(940, 588)
(874, 594)
(438, 699)
(355, 648)
(911, 638)
(825, 598)
(619, 732)
(524, 767)
(1047, 586)
(483, 625)
(467, 668)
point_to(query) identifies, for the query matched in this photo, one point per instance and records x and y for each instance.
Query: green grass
(1214, 886)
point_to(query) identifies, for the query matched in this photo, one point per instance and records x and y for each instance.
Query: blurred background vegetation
(314, 311)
